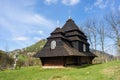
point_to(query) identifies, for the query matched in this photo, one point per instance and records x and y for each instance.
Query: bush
(5, 60)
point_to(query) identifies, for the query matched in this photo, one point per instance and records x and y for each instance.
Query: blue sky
(24, 22)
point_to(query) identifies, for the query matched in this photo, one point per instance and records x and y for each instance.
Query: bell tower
(76, 36)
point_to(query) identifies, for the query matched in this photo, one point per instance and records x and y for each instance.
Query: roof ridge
(58, 30)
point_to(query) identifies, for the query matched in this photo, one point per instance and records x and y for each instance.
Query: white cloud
(65, 2)
(20, 38)
(51, 2)
(70, 2)
(41, 20)
(101, 3)
(18, 18)
(88, 9)
(38, 32)
(37, 38)
(41, 32)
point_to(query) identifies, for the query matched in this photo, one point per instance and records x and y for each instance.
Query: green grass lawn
(106, 71)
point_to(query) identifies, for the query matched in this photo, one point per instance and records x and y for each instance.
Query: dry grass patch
(111, 71)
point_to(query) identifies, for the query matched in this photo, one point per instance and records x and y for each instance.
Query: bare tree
(94, 31)
(91, 32)
(87, 26)
(114, 22)
(101, 32)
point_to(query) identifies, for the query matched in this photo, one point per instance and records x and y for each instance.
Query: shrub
(5, 60)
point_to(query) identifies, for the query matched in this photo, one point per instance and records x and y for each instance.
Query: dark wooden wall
(66, 61)
(52, 61)
(85, 60)
(75, 44)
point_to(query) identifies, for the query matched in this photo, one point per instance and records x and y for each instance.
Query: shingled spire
(70, 26)
(57, 33)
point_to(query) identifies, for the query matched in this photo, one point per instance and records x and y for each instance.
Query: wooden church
(66, 46)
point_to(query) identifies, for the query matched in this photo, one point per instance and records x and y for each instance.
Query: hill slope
(102, 56)
(36, 47)
(33, 48)
(106, 71)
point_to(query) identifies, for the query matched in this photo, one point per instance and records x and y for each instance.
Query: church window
(84, 47)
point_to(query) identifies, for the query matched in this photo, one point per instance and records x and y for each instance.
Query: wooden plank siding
(65, 61)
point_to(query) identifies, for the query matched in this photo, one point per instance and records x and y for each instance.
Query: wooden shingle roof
(57, 30)
(68, 33)
(70, 26)
(56, 36)
(57, 33)
(74, 33)
(63, 50)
